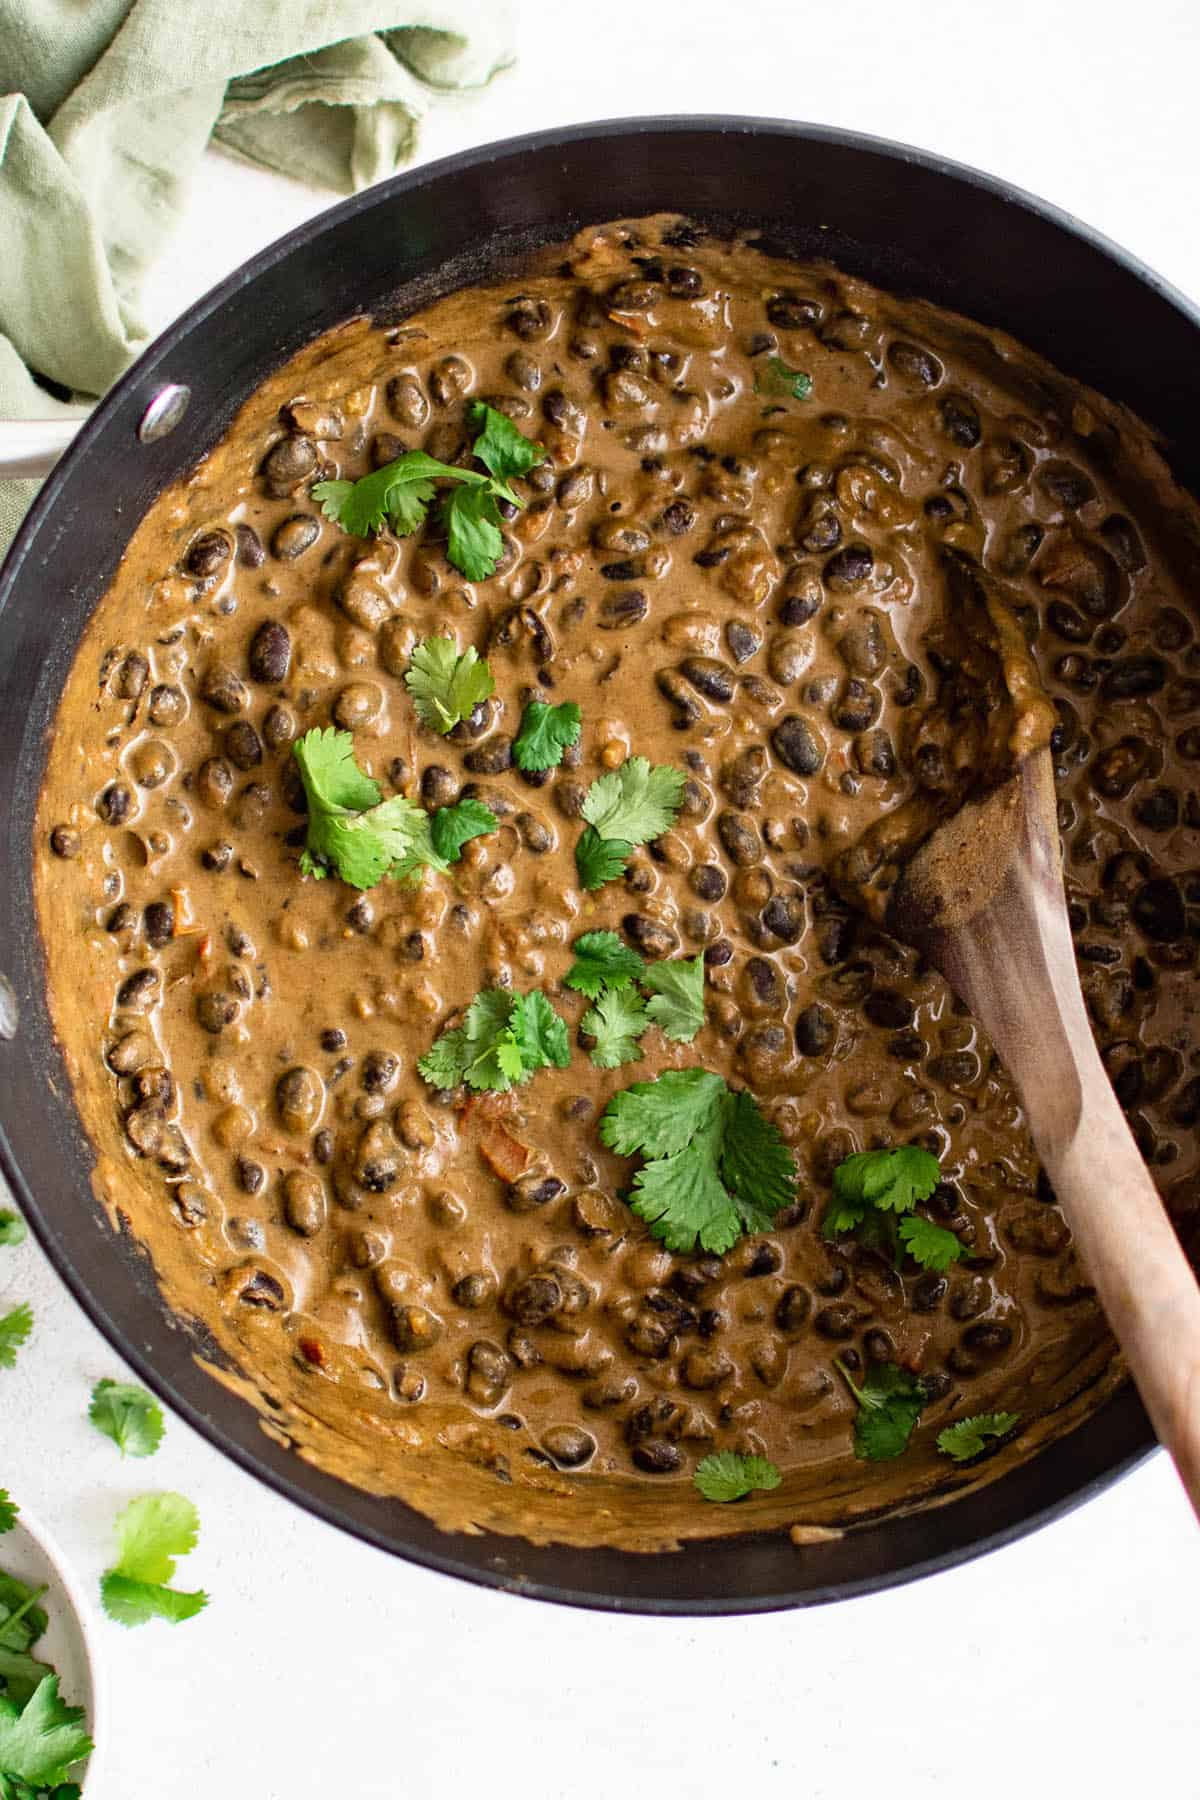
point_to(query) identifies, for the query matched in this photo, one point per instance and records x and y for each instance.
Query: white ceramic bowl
(71, 1640)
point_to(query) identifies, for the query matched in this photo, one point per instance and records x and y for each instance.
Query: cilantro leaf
(331, 774)
(40, 1741)
(715, 1167)
(12, 1229)
(15, 1328)
(396, 495)
(966, 1437)
(602, 960)
(727, 1475)
(600, 859)
(500, 447)
(20, 1675)
(22, 1620)
(635, 802)
(151, 1532)
(127, 1414)
(930, 1245)
(658, 1118)
(889, 1405)
(445, 686)
(132, 1602)
(546, 731)
(616, 1021)
(474, 539)
(451, 827)
(892, 1180)
(539, 1032)
(8, 1511)
(503, 1040)
(775, 377)
(677, 1007)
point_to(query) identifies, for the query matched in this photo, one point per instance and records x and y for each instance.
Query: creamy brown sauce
(795, 602)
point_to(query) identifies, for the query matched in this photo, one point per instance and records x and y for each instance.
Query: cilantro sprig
(714, 1167)
(874, 1193)
(727, 1475)
(12, 1229)
(363, 838)
(545, 733)
(40, 1742)
(9, 1511)
(605, 969)
(128, 1415)
(503, 1040)
(15, 1328)
(968, 1437)
(889, 1405)
(399, 494)
(446, 687)
(629, 806)
(151, 1532)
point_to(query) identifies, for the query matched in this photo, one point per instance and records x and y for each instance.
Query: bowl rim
(87, 1630)
(1134, 1440)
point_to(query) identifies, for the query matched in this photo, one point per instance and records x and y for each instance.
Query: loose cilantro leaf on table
(399, 494)
(616, 1021)
(15, 1328)
(8, 1511)
(714, 1166)
(726, 1475)
(151, 1532)
(504, 1039)
(12, 1229)
(775, 377)
(966, 1437)
(628, 806)
(362, 838)
(127, 1414)
(41, 1741)
(677, 1003)
(889, 1405)
(546, 731)
(446, 687)
(602, 960)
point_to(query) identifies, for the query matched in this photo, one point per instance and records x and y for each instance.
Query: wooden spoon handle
(1132, 1255)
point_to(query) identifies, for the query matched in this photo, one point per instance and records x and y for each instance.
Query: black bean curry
(768, 497)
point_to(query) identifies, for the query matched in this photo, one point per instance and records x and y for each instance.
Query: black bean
(765, 982)
(534, 1299)
(708, 881)
(929, 1290)
(217, 856)
(987, 1337)
(1133, 677)
(533, 1191)
(491, 758)
(960, 421)
(115, 803)
(718, 954)
(709, 677)
(1158, 910)
(1123, 543)
(215, 1010)
(889, 1008)
(569, 1445)
(208, 553)
(657, 1457)
(790, 312)
(534, 833)
(914, 363)
(651, 937)
(857, 707)
(793, 1308)
(288, 464)
(740, 839)
(797, 745)
(159, 922)
(783, 917)
(874, 753)
(849, 567)
(1159, 811)
(380, 1071)
(65, 841)
(140, 991)
(679, 517)
(816, 1030)
(223, 690)
(250, 552)
(473, 1291)
(837, 1322)
(243, 746)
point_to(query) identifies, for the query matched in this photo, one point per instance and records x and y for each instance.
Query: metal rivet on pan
(164, 412)
(9, 1010)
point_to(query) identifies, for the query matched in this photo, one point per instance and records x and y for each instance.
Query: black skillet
(910, 222)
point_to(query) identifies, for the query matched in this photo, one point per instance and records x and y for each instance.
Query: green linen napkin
(106, 107)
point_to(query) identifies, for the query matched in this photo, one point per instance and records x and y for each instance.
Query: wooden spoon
(983, 901)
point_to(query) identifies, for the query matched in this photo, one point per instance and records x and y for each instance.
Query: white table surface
(322, 1668)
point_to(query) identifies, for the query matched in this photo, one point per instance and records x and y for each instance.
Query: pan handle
(29, 448)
